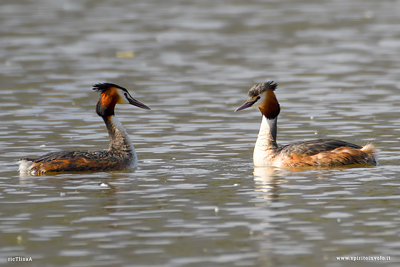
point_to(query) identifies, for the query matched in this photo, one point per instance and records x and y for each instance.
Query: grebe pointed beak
(247, 104)
(134, 102)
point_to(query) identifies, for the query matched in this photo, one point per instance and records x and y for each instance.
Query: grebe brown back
(120, 155)
(321, 152)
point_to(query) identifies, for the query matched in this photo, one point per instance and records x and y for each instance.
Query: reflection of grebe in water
(120, 155)
(267, 180)
(321, 152)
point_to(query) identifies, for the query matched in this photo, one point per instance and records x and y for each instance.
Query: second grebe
(321, 152)
(120, 155)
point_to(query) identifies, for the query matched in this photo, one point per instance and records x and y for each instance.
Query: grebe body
(121, 154)
(321, 152)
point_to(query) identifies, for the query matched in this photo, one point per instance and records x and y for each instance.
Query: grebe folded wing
(81, 160)
(62, 155)
(313, 147)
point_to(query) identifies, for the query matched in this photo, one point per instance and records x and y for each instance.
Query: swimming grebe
(321, 152)
(120, 155)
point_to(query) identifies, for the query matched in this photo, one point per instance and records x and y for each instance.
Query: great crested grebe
(120, 155)
(321, 152)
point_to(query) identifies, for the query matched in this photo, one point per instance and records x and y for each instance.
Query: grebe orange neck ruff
(321, 152)
(121, 154)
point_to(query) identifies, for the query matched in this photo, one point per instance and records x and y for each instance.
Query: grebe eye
(258, 97)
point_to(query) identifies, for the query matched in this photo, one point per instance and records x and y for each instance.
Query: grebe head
(112, 94)
(262, 95)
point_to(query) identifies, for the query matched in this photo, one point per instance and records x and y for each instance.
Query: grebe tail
(120, 155)
(321, 152)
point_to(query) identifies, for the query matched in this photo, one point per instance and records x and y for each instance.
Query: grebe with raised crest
(321, 152)
(121, 154)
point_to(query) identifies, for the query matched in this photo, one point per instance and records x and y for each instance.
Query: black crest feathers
(101, 87)
(259, 88)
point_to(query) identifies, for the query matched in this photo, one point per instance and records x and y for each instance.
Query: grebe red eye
(258, 97)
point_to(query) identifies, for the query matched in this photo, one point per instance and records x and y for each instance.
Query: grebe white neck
(265, 147)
